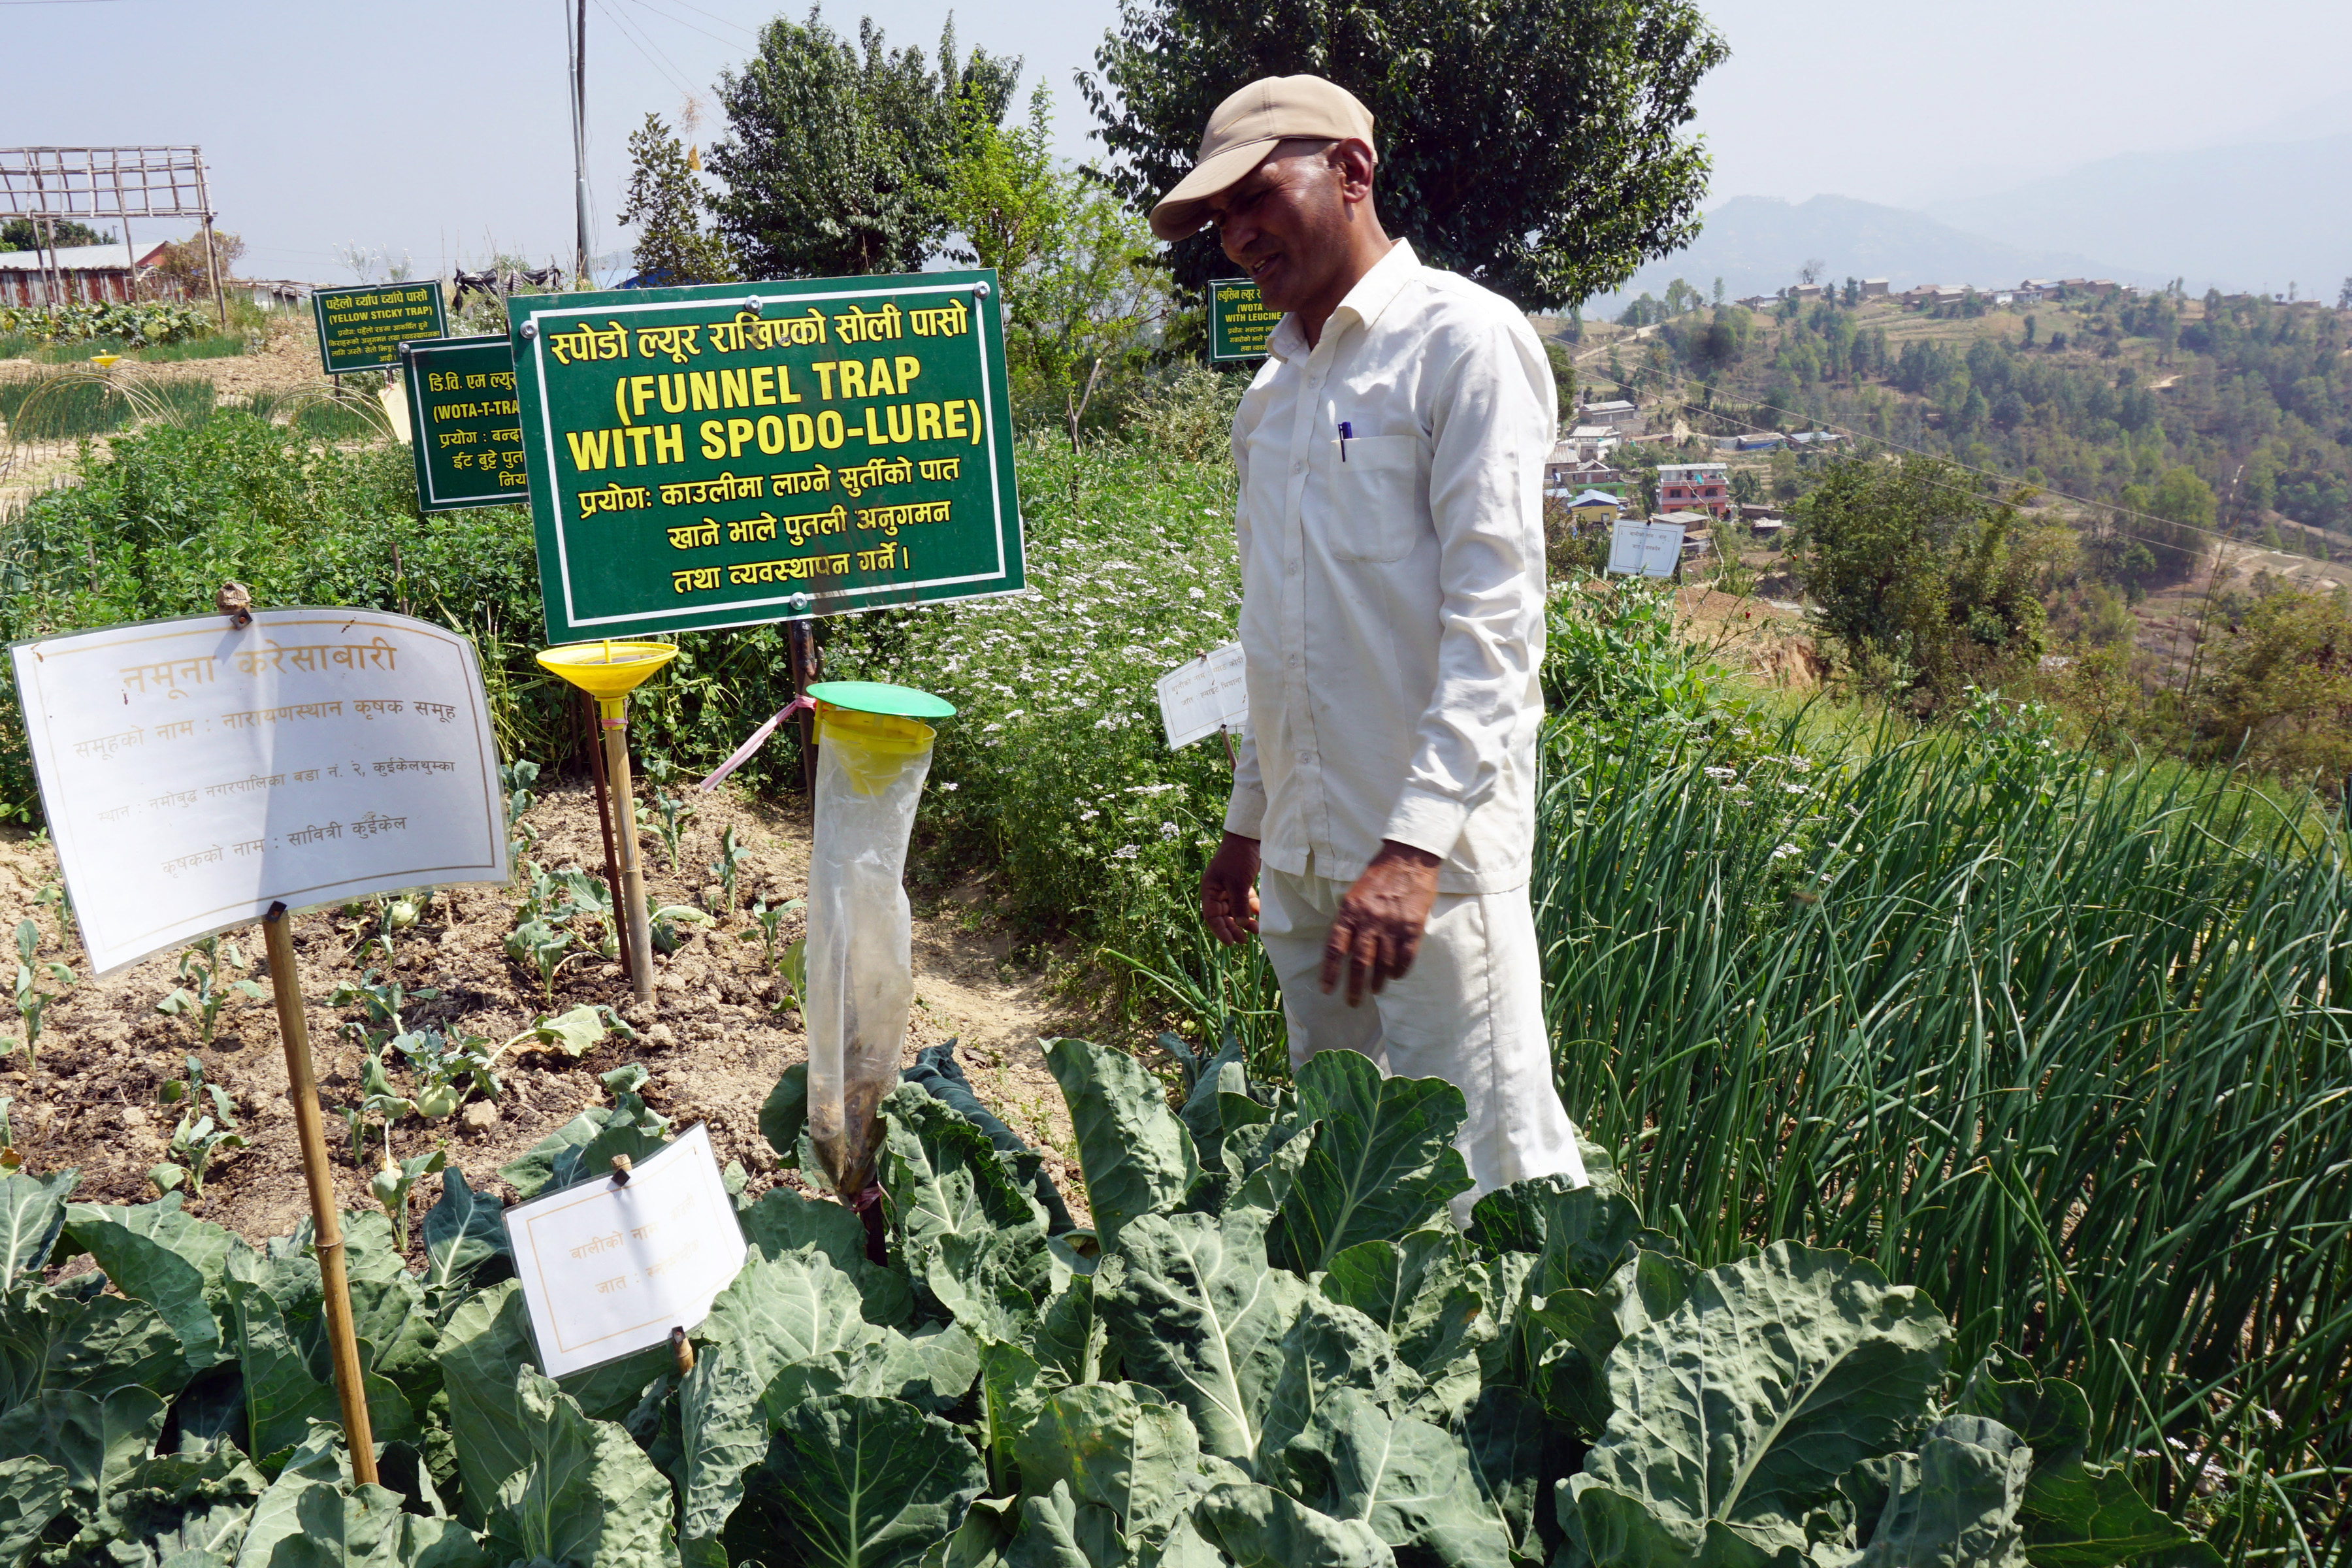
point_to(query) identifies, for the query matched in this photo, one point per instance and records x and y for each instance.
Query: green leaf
(1382, 1161)
(1118, 1447)
(1422, 1293)
(1072, 1338)
(1258, 1526)
(1744, 1405)
(1014, 1388)
(786, 1221)
(2088, 1515)
(1203, 1113)
(585, 1497)
(97, 1438)
(1049, 1533)
(1566, 1336)
(531, 1172)
(575, 1033)
(973, 1235)
(1327, 1348)
(159, 1253)
(783, 1330)
(31, 1212)
(1196, 1313)
(1506, 1441)
(857, 1482)
(1579, 1233)
(315, 1515)
(278, 1307)
(1407, 1479)
(2053, 1416)
(463, 1232)
(32, 1492)
(76, 1337)
(1954, 1503)
(1136, 1156)
(483, 1350)
(783, 1115)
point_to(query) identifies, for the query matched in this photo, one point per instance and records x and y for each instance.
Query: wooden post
(801, 637)
(613, 717)
(302, 1091)
(624, 917)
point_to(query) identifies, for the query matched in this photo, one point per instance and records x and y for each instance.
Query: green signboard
(465, 426)
(362, 328)
(732, 454)
(1239, 322)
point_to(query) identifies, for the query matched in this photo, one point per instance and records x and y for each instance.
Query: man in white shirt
(1390, 453)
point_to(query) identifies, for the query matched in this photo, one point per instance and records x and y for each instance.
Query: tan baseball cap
(1244, 129)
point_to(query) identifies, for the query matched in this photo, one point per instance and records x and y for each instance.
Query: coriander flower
(1167, 830)
(1124, 852)
(1784, 850)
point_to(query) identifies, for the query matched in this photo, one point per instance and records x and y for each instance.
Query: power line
(691, 28)
(663, 67)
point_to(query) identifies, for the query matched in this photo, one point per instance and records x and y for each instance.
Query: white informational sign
(195, 772)
(610, 1269)
(1644, 548)
(1203, 696)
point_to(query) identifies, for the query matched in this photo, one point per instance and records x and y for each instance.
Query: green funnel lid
(880, 697)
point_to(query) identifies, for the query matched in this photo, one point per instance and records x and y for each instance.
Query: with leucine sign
(732, 454)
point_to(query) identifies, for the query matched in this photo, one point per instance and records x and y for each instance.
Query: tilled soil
(714, 1038)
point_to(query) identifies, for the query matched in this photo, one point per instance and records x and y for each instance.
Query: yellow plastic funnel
(872, 747)
(104, 362)
(608, 671)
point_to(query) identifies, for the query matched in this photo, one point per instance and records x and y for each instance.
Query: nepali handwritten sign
(1642, 548)
(734, 454)
(1202, 695)
(465, 426)
(610, 1269)
(1239, 322)
(362, 328)
(194, 773)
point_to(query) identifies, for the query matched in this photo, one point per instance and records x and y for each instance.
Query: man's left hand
(1380, 920)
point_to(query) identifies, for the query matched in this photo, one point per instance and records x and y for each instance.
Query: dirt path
(715, 1039)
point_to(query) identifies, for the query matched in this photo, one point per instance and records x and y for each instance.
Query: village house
(1705, 486)
(1594, 509)
(73, 274)
(1622, 418)
(1874, 287)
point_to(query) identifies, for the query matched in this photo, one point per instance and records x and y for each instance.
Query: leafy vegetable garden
(1274, 1348)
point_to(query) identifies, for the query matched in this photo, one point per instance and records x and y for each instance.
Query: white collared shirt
(1392, 593)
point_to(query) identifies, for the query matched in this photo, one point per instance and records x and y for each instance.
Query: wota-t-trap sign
(734, 454)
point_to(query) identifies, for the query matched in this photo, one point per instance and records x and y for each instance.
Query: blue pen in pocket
(1345, 430)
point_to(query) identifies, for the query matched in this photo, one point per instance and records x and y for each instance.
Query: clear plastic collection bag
(861, 981)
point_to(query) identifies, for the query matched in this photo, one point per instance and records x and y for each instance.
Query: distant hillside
(1757, 244)
(2244, 218)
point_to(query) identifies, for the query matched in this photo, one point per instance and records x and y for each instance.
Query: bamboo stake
(302, 1091)
(613, 717)
(624, 917)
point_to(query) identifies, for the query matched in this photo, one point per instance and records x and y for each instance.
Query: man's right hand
(1229, 890)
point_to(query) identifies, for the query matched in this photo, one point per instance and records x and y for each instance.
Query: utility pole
(579, 140)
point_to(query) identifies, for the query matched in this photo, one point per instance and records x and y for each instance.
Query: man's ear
(1352, 160)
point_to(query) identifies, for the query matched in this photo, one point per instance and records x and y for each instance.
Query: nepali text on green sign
(734, 454)
(465, 426)
(362, 328)
(1239, 322)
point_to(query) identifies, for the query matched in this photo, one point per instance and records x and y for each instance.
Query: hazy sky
(439, 127)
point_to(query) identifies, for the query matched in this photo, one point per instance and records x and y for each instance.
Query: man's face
(1285, 225)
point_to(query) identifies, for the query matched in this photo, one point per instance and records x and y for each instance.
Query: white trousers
(1470, 1011)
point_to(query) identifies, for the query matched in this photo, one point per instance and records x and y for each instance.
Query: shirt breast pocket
(1378, 495)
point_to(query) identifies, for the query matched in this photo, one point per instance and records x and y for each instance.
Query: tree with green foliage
(37, 234)
(1537, 146)
(2280, 690)
(837, 155)
(666, 203)
(1080, 291)
(1926, 583)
